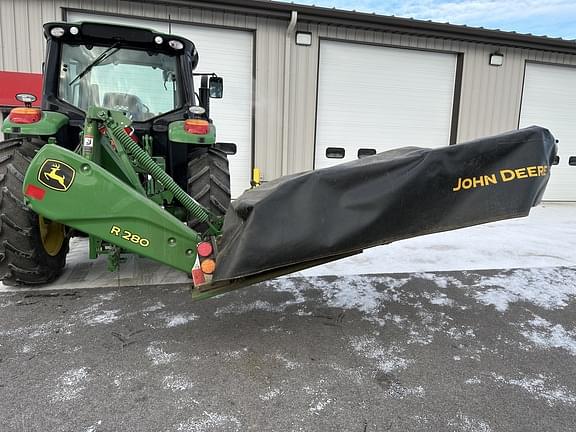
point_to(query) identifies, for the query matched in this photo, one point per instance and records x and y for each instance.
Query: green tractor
(142, 82)
(123, 151)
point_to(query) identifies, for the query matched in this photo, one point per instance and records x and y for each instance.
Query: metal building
(308, 87)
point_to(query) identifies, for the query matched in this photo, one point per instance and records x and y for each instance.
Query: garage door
(549, 100)
(229, 53)
(372, 99)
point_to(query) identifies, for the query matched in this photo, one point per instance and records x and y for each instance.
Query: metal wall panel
(22, 49)
(490, 96)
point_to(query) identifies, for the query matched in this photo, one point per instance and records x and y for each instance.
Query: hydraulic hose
(119, 135)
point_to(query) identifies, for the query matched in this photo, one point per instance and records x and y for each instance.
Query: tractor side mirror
(216, 85)
(228, 148)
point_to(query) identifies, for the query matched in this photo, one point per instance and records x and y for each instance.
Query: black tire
(24, 260)
(209, 182)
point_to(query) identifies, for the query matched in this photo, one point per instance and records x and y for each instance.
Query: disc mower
(123, 151)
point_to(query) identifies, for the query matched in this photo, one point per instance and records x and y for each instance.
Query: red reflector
(204, 249)
(35, 192)
(25, 115)
(198, 276)
(196, 126)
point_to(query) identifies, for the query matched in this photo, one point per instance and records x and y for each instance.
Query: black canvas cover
(390, 196)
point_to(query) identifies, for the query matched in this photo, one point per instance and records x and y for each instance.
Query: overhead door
(549, 100)
(372, 99)
(229, 53)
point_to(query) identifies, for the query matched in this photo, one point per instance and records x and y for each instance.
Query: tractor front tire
(32, 249)
(208, 182)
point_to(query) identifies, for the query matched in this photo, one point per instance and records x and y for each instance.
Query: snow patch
(441, 300)
(154, 307)
(358, 292)
(441, 281)
(398, 391)
(176, 383)
(270, 394)
(158, 355)
(473, 380)
(468, 424)
(547, 335)
(93, 427)
(387, 358)
(108, 296)
(209, 422)
(539, 388)
(549, 288)
(178, 319)
(288, 364)
(93, 316)
(70, 384)
(318, 406)
(106, 317)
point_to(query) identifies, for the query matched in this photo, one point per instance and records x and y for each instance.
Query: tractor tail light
(204, 265)
(196, 126)
(25, 115)
(208, 266)
(204, 249)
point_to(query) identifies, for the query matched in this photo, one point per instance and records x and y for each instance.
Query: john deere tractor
(123, 151)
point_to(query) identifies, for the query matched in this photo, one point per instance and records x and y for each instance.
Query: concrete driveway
(474, 351)
(467, 350)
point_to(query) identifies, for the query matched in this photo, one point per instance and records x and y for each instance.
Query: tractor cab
(147, 75)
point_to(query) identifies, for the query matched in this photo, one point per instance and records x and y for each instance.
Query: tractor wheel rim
(52, 235)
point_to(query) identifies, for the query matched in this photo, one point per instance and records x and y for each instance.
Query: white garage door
(372, 99)
(549, 100)
(229, 53)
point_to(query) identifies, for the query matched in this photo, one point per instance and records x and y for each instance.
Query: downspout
(286, 107)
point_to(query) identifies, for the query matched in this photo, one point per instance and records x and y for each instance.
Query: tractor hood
(322, 215)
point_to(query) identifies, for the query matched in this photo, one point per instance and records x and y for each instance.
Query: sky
(554, 18)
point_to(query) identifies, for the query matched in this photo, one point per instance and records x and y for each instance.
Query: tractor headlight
(57, 31)
(158, 40)
(177, 45)
(74, 31)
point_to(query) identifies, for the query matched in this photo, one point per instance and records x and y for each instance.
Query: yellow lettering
(521, 173)
(115, 230)
(491, 179)
(532, 172)
(478, 181)
(458, 185)
(507, 175)
(540, 170)
(545, 170)
(466, 183)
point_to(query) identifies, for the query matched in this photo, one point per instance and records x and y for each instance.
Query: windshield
(142, 84)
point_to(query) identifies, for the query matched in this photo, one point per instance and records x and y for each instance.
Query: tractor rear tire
(32, 249)
(208, 182)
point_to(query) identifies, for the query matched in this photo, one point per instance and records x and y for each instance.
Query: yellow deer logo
(54, 176)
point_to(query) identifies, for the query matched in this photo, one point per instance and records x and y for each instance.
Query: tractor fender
(177, 134)
(49, 124)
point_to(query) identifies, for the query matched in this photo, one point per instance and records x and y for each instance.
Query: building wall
(490, 96)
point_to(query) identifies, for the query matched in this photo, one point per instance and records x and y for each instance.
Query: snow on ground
(549, 288)
(544, 334)
(540, 388)
(542, 239)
